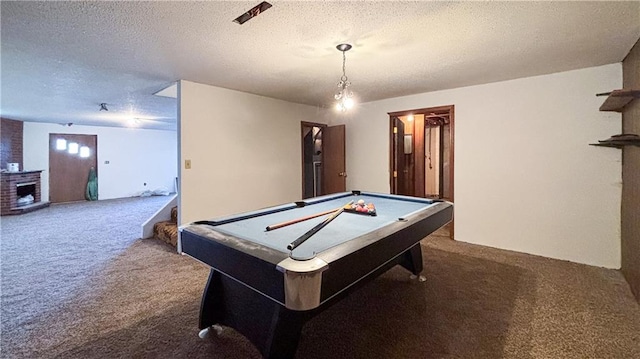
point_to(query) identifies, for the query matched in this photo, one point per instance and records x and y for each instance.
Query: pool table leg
(284, 334)
(211, 303)
(412, 261)
(272, 328)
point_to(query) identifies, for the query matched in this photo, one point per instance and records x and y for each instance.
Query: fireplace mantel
(10, 182)
(19, 172)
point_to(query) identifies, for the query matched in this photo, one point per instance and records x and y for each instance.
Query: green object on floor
(91, 194)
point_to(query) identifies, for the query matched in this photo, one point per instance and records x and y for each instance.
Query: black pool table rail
(315, 200)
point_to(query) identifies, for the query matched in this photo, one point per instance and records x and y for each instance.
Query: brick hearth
(9, 194)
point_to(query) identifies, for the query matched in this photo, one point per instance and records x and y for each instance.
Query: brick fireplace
(20, 192)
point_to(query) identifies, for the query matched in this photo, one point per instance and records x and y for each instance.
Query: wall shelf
(618, 99)
(617, 144)
(619, 141)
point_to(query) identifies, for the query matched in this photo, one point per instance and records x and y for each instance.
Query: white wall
(135, 156)
(245, 151)
(525, 177)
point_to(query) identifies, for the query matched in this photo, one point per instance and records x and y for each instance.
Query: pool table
(267, 292)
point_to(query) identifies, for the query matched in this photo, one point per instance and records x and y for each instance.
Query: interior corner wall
(525, 177)
(631, 176)
(135, 156)
(245, 150)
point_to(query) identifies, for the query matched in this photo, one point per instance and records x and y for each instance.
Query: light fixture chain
(344, 61)
(344, 95)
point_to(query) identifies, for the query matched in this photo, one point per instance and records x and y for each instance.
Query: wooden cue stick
(301, 219)
(317, 228)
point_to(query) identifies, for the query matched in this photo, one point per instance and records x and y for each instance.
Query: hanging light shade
(344, 96)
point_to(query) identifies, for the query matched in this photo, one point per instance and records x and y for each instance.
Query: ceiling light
(344, 95)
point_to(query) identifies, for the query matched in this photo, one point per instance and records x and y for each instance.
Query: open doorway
(312, 159)
(323, 159)
(422, 153)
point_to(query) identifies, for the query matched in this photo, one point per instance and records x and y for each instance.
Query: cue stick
(301, 219)
(317, 228)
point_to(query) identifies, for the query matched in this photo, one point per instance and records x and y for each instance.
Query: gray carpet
(77, 283)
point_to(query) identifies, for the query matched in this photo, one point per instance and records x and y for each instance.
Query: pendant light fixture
(344, 96)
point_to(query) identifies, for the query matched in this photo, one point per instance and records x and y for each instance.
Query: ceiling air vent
(255, 11)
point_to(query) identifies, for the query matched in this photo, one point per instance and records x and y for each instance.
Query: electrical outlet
(106, 162)
(187, 164)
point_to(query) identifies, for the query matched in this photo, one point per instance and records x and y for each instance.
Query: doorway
(422, 153)
(323, 159)
(71, 158)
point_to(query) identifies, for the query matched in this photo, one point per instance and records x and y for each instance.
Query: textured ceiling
(60, 60)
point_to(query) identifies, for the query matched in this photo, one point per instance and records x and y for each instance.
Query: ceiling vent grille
(255, 11)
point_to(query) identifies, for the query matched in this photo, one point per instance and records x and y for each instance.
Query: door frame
(425, 111)
(450, 109)
(304, 124)
(52, 152)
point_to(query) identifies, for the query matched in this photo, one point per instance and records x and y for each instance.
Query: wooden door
(308, 178)
(400, 170)
(418, 156)
(69, 172)
(333, 149)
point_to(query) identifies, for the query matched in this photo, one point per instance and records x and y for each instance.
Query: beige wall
(525, 177)
(631, 176)
(245, 151)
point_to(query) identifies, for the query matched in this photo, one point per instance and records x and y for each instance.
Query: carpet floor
(78, 283)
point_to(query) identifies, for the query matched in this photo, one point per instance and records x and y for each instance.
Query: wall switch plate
(187, 164)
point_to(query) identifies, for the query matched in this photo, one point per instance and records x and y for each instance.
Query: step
(166, 231)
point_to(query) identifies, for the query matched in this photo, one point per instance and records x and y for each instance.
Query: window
(73, 148)
(61, 144)
(84, 152)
